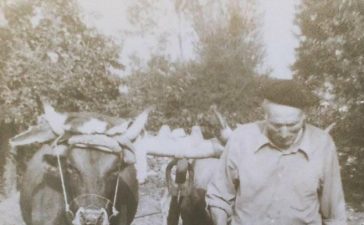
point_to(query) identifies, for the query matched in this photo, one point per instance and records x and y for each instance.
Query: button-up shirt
(257, 184)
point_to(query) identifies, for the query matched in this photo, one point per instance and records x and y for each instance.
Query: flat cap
(290, 93)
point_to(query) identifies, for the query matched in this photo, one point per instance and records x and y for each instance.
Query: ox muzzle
(90, 209)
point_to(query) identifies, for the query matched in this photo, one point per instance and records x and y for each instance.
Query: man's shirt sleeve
(331, 194)
(221, 190)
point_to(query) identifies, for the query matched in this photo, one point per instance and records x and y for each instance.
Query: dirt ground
(149, 209)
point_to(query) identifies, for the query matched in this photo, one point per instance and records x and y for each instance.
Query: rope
(148, 214)
(54, 145)
(114, 210)
(67, 207)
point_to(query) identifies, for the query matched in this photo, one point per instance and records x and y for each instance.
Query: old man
(280, 171)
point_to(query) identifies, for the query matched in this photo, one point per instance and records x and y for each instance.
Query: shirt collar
(261, 137)
(304, 144)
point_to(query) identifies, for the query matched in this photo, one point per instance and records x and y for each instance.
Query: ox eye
(114, 172)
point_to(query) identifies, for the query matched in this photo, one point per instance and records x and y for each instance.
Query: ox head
(89, 183)
(86, 179)
(89, 158)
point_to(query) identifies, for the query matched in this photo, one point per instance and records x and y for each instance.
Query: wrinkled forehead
(282, 114)
(93, 159)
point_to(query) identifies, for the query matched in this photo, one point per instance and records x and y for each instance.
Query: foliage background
(330, 60)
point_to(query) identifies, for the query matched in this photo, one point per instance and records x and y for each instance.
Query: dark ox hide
(90, 180)
(192, 206)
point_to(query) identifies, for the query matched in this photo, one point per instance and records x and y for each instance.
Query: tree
(330, 60)
(229, 52)
(223, 75)
(50, 54)
(330, 54)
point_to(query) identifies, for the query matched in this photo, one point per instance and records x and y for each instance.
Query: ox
(187, 196)
(187, 193)
(184, 196)
(84, 173)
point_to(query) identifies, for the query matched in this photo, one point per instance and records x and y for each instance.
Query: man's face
(283, 123)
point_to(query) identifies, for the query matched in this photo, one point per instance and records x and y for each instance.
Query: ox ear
(35, 134)
(49, 124)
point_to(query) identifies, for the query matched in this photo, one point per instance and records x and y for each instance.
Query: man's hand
(219, 216)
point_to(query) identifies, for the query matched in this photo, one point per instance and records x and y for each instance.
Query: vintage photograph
(181, 112)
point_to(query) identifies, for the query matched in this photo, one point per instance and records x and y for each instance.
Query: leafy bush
(330, 60)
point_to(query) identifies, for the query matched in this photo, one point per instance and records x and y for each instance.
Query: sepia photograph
(181, 112)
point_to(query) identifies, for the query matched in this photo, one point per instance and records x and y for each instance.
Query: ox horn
(226, 130)
(55, 119)
(330, 127)
(136, 127)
